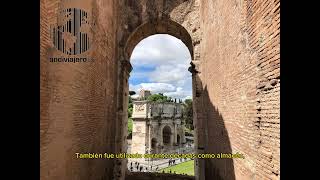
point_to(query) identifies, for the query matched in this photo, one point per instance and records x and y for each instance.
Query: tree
(188, 113)
(130, 107)
(132, 93)
(159, 98)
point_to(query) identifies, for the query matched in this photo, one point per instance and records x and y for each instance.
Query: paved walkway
(157, 164)
(146, 175)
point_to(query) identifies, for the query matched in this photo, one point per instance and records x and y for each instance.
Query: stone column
(122, 119)
(160, 141)
(127, 68)
(171, 139)
(182, 138)
(149, 133)
(198, 120)
(175, 132)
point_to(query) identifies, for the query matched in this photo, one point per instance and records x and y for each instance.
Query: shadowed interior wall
(240, 75)
(78, 99)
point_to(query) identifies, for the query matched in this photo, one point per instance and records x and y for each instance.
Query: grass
(182, 168)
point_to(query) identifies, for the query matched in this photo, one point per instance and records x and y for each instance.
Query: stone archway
(163, 26)
(146, 18)
(151, 27)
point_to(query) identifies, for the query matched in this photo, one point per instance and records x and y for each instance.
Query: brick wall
(240, 74)
(78, 99)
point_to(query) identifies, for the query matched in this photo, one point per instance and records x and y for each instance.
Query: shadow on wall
(217, 141)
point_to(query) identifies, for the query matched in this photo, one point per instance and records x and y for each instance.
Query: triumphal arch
(157, 127)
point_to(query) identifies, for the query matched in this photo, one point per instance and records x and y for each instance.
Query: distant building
(144, 94)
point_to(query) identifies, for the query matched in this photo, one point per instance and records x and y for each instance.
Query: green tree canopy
(132, 93)
(130, 107)
(188, 113)
(159, 98)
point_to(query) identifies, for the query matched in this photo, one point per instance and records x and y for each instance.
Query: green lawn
(182, 168)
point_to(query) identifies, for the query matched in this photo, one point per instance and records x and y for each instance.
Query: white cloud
(160, 49)
(140, 74)
(153, 87)
(135, 96)
(166, 89)
(179, 94)
(170, 59)
(188, 97)
(177, 75)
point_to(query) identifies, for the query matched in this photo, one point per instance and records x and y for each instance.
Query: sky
(160, 64)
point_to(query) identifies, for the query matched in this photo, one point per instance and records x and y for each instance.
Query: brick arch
(160, 26)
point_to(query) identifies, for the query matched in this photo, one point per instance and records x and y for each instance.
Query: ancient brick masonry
(240, 68)
(78, 99)
(235, 50)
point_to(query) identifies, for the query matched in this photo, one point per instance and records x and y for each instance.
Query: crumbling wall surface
(143, 18)
(240, 75)
(78, 99)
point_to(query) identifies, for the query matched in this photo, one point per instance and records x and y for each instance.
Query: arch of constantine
(157, 127)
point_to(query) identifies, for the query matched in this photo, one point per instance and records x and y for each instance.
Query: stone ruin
(158, 127)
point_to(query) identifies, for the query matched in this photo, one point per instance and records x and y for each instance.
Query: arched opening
(178, 139)
(160, 54)
(166, 26)
(166, 135)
